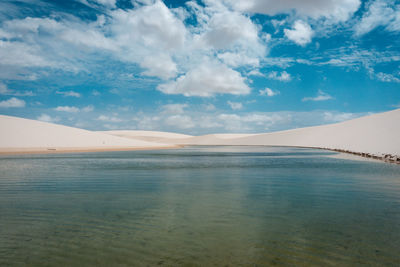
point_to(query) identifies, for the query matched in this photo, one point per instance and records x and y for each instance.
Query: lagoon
(199, 206)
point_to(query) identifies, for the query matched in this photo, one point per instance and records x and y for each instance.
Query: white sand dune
(151, 136)
(19, 135)
(376, 134)
(209, 139)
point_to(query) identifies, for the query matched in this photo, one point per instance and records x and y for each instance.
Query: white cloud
(207, 80)
(338, 117)
(23, 55)
(150, 25)
(210, 107)
(283, 77)
(247, 122)
(335, 10)
(72, 109)
(95, 3)
(235, 60)
(47, 118)
(301, 33)
(198, 120)
(12, 103)
(109, 118)
(255, 73)
(69, 93)
(96, 93)
(174, 108)
(385, 77)
(321, 96)
(180, 121)
(235, 105)
(226, 28)
(4, 90)
(132, 36)
(380, 13)
(159, 66)
(67, 109)
(110, 3)
(148, 35)
(268, 92)
(89, 108)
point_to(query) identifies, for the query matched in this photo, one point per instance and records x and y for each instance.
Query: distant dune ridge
(23, 135)
(375, 135)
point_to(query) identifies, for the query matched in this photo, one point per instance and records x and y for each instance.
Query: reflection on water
(198, 206)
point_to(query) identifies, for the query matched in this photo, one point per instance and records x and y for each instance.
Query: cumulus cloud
(196, 120)
(67, 109)
(180, 121)
(150, 35)
(321, 96)
(235, 105)
(240, 123)
(268, 92)
(235, 60)
(147, 35)
(335, 10)
(207, 80)
(301, 33)
(13, 102)
(255, 73)
(47, 118)
(283, 77)
(17, 53)
(339, 116)
(148, 32)
(109, 118)
(226, 28)
(69, 93)
(174, 108)
(161, 66)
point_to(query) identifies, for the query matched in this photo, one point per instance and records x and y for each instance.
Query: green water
(199, 206)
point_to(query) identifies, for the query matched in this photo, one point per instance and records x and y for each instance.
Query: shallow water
(198, 206)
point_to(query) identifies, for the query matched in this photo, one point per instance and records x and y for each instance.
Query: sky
(198, 67)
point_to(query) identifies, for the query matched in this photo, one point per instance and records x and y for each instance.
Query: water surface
(198, 206)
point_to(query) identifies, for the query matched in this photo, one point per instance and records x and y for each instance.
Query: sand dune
(151, 136)
(23, 135)
(376, 134)
(209, 139)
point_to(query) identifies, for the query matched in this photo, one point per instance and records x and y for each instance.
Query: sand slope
(376, 134)
(152, 136)
(210, 139)
(18, 134)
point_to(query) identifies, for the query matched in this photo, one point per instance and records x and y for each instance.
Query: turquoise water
(198, 206)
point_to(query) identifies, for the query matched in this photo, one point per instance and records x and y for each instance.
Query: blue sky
(198, 66)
